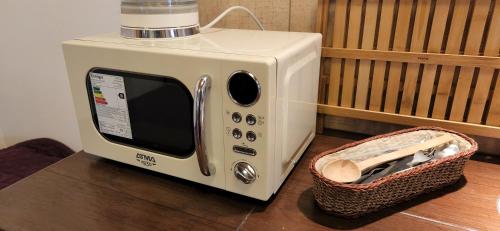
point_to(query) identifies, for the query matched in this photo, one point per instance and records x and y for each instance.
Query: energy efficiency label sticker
(111, 104)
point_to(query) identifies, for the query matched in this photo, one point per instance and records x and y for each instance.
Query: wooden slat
(400, 36)
(338, 42)
(322, 18)
(352, 42)
(413, 57)
(473, 129)
(452, 47)
(322, 27)
(494, 114)
(493, 46)
(367, 43)
(435, 42)
(473, 44)
(417, 45)
(481, 94)
(485, 76)
(384, 36)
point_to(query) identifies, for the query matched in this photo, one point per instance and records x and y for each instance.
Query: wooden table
(84, 192)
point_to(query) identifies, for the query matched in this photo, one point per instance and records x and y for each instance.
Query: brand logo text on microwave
(145, 160)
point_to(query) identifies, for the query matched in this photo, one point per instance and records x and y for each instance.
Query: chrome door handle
(200, 97)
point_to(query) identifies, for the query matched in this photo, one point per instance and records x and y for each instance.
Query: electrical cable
(227, 11)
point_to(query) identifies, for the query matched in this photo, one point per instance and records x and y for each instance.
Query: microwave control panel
(244, 121)
(249, 90)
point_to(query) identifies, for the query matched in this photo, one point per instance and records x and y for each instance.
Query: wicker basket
(353, 200)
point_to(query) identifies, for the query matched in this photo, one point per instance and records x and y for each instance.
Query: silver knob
(245, 172)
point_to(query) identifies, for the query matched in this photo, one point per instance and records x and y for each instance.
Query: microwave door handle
(200, 97)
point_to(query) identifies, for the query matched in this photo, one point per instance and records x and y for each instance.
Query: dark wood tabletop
(85, 192)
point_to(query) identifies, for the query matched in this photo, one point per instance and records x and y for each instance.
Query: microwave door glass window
(145, 111)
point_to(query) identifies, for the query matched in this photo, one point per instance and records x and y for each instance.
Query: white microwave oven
(232, 109)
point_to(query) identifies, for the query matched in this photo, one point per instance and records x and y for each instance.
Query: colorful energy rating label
(98, 97)
(111, 104)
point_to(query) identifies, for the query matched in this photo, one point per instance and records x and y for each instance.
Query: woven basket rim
(390, 178)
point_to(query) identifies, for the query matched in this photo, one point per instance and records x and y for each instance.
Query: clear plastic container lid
(159, 6)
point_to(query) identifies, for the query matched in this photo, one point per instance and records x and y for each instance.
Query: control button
(237, 133)
(236, 117)
(245, 172)
(251, 120)
(244, 150)
(251, 136)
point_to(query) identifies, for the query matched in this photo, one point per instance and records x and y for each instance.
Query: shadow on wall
(2, 140)
(35, 98)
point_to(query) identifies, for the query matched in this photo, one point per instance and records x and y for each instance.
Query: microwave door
(156, 112)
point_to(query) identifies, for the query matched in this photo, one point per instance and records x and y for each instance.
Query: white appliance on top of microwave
(232, 109)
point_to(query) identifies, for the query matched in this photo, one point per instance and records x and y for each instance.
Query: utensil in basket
(346, 171)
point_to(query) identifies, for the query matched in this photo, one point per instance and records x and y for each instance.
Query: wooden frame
(413, 57)
(412, 62)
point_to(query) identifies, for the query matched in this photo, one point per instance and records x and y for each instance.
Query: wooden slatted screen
(412, 62)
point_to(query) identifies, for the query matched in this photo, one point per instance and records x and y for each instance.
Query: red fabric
(26, 158)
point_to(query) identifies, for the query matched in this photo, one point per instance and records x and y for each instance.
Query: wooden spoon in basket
(345, 171)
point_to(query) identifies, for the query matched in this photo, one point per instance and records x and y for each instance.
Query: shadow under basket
(354, 200)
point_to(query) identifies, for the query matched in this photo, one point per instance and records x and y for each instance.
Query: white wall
(35, 99)
(2, 140)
